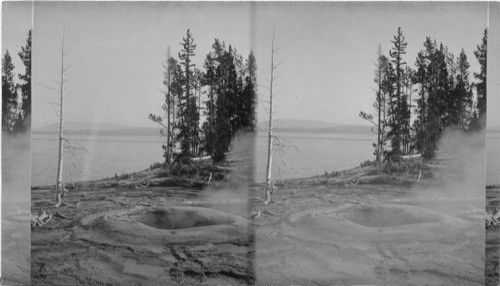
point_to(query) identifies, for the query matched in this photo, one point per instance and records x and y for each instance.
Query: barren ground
(60, 257)
(305, 238)
(492, 240)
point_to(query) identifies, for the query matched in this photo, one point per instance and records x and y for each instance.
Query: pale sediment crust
(195, 225)
(346, 227)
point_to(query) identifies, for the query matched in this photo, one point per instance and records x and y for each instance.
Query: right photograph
(371, 148)
(493, 151)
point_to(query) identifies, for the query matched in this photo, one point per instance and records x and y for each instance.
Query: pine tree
(188, 135)
(462, 94)
(420, 78)
(407, 107)
(225, 105)
(251, 91)
(197, 86)
(25, 85)
(481, 55)
(227, 89)
(241, 95)
(398, 100)
(437, 101)
(177, 89)
(9, 94)
(209, 80)
(443, 86)
(388, 89)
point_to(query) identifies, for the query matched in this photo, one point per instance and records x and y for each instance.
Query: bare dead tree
(60, 189)
(58, 108)
(168, 107)
(273, 77)
(379, 105)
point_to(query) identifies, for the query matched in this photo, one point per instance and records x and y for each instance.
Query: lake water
(107, 156)
(312, 154)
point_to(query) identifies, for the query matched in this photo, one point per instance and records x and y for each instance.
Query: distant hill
(493, 129)
(280, 125)
(295, 123)
(88, 128)
(311, 126)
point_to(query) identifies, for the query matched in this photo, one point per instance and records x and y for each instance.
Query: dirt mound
(164, 226)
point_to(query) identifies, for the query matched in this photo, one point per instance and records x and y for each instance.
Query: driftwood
(142, 186)
(493, 219)
(255, 215)
(58, 215)
(37, 221)
(351, 183)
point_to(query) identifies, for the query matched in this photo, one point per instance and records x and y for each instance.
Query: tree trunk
(379, 101)
(169, 106)
(383, 124)
(212, 130)
(188, 118)
(59, 181)
(268, 186)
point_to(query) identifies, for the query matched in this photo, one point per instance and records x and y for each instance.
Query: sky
(16, 22)
(327, 51)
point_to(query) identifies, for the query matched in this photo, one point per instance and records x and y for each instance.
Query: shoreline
(181, 181)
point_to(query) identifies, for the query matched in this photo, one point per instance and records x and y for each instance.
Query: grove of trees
(16, 97)
(194, 127)
(437, 93)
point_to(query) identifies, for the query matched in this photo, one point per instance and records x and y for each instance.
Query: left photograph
(143, 132)
(16, 118)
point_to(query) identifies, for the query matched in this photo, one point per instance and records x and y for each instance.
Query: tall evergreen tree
(188, 135)
(197, 87)
(437, 101)
(443, 86)
(251, 67)
(9, 94)
(481, 56)
(462, 94)
(397, 122)
(420, 78)
(239, 102)
(250, 93)
(407, 107)
(225, 105)
(25, 85)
